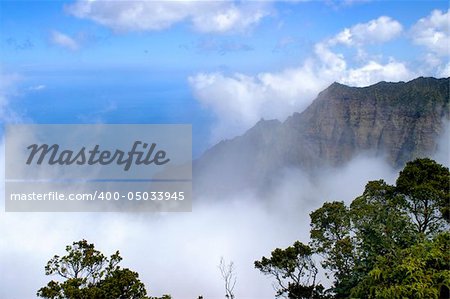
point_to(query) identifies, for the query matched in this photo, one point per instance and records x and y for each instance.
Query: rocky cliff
(399, 121)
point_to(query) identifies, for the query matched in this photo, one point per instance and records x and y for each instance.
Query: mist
(442, 154)
(179, 253)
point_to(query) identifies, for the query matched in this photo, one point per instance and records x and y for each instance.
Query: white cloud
(332, 63)
(240, 100)
(37, 87)
(205, 16)
(432, 32)
(229, 18)
(63, 40)
(379, 30)
(373, 72)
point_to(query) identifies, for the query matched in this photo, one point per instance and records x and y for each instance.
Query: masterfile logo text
(96, 156)
(98, 167)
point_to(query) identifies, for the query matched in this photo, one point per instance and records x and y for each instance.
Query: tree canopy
(390, 242)
(86, 273)
(294, 270)
(385, 231)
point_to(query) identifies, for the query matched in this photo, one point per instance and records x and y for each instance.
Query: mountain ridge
(399, 120)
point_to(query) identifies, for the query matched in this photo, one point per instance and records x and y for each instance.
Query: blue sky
(219, 65)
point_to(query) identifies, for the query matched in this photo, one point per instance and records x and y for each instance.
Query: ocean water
(112, 96)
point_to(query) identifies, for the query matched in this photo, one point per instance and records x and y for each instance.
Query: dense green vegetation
(390, 242)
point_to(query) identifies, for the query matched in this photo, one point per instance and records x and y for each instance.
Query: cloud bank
(178, 253)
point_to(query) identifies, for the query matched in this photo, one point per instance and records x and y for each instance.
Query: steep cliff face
(400, 121)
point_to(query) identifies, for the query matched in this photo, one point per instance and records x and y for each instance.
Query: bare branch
(229, 277)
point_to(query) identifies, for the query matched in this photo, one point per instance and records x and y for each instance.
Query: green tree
(425, 184)
(421, 271)
(294, 271)
(331, 238)
(385, 222)
(380, 225)
(88, 274)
